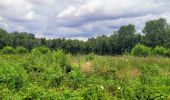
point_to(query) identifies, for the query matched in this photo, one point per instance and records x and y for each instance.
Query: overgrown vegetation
(159, 51)
(45, 74)
(141, 50)
(21, 50)
(8, 50)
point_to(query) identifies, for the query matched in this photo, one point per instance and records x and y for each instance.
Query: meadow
(54, 75)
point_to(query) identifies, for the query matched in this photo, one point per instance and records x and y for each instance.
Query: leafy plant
(8, 50)
(10, 77)
(20, 50)
(90, 57)
(42, 50)
(161, 51)
(61, 60)
(141, 50)
(167, 53)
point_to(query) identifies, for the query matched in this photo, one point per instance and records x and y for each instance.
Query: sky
(78, 19)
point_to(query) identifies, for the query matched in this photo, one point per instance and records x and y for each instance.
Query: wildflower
(102, 87)
(119, 88)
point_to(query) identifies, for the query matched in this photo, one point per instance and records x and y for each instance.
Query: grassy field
(54, 75)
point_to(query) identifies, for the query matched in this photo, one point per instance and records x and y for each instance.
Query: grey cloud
(78, 18)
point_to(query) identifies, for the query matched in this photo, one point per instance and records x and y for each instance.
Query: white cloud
(1, 18)
(15, 9)
(78, 18)
(42, 2)
(30, 15)
(111, 8)
(67, 12)
(79, 38)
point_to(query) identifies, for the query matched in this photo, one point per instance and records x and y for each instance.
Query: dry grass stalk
(87, 67)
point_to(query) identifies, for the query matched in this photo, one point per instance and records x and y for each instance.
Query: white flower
(102, 87)
(119, 88)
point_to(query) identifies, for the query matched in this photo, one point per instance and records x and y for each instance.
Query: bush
(167, 54)
(35, 92)
(151, 92)
(60, 58)
(161, 51)
(42, 50)
(141, 50)
(90, 57)
(8, 50)
(20, 50)
(10, 77)
(95, 92)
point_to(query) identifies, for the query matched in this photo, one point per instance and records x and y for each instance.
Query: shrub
(8, 50)
(159, 51)
(60, 58)
(10, 77)
(95, 92)
(42, 50)
(151, 92)
(55, 76)
(90, 57)
(141, 50)
(167, 53)
(34, 92)
(21, 50)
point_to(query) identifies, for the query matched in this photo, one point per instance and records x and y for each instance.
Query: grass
(29, 76)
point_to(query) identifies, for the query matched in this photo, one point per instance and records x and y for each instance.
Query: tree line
(155, 33)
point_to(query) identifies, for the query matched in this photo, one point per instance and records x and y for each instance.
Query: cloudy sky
(78, 19)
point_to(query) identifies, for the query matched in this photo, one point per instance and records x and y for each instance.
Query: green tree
(126, 36)
(154, 31)
(167, 38)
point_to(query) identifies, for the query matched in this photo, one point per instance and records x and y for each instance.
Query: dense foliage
(141, 50)
(8, 50)
(160, 51)
(20, 50)
(54, 75)
(156, 33)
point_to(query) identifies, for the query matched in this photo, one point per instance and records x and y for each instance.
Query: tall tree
(155, 32)
(126, 38)
(167, 38)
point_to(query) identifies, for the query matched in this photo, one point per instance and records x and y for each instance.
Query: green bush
(9, 77)
(55, 76)
(90, 57)
(35, 92)
(141, 50)
(42, 50)
(20, 50)
(95, 92)
(161, 51)
(167, 54)
(60, 59)
(8, 50)
(151, 92)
